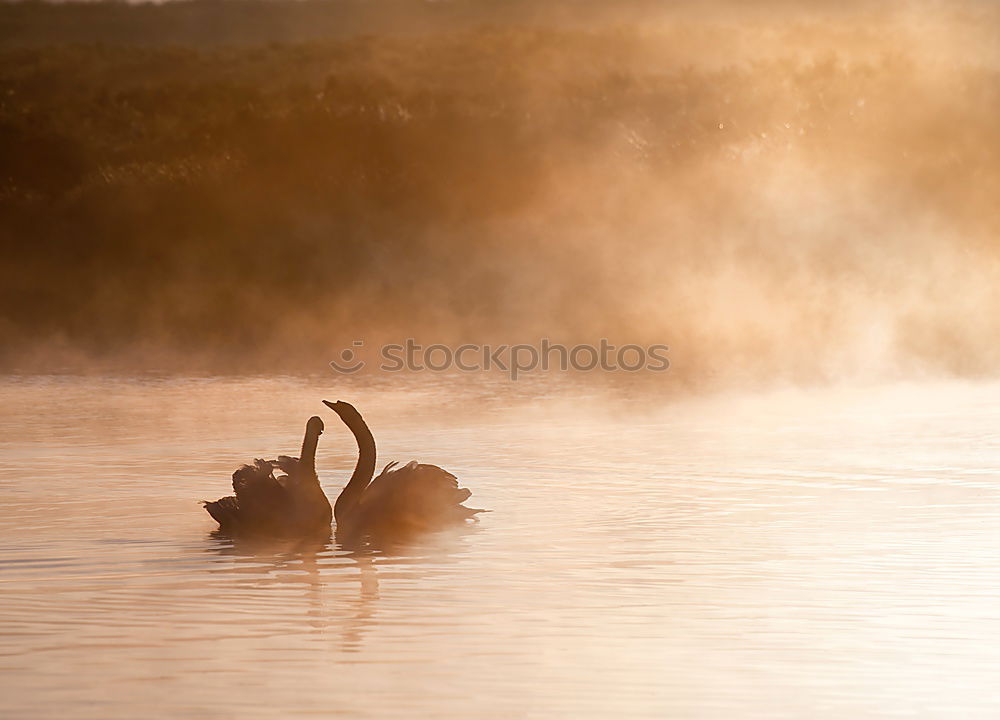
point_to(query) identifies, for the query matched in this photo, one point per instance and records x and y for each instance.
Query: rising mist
(782, 193)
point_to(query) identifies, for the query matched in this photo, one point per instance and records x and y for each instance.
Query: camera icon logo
(349, 362)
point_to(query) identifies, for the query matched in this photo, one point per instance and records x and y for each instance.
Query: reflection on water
(824, 553)
(298, 563)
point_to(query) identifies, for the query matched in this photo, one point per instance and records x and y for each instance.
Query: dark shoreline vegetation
(260, 204)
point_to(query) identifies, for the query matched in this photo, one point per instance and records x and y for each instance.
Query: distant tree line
(250, 198)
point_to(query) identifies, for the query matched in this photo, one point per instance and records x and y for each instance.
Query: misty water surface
(799, 553)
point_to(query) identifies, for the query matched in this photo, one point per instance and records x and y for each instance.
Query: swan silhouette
(292, 504)
(402, 501)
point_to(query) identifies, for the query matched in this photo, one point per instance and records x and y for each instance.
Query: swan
(402, 501)
(292, 504)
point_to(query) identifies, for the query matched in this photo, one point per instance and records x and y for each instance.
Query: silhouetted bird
(400, 502)
(288, 505)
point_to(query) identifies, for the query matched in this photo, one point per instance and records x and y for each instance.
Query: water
(822, 553)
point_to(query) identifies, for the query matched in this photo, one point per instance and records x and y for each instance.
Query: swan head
(314, 426)
(346, 411)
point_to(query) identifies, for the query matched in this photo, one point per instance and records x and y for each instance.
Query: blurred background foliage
(251, 185)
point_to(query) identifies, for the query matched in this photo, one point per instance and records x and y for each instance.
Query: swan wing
(225, 511)
(259, 494)
(286, 464)
(418, 490)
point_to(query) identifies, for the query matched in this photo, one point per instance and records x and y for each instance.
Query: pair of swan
(400, 502)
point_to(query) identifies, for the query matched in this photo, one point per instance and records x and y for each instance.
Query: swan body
(291, 504)
(401, 501)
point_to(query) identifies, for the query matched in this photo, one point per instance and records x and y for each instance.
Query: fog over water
(797, 192)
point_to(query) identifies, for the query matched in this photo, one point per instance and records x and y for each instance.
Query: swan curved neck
(365, 468)
(307, 458)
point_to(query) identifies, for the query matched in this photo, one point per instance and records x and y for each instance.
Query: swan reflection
(323, 570)
(338, 585)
